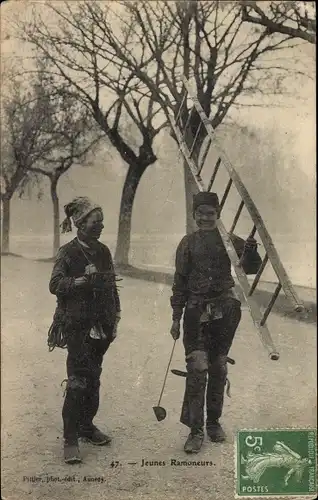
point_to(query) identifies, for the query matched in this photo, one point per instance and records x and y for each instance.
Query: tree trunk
(56, 215)
(5, 243)
(132, 180)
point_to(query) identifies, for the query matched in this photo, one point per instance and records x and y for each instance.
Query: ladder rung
(216, 168)
(195, 138)
(258, 275)
(181, 104)
(237, 216)
(252, 233)
(226, 192)
(271, 303)
(205, 154)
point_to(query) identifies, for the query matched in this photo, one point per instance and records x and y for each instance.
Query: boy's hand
(250, 245)
(81, 281)
(175, 329)
(90, 269)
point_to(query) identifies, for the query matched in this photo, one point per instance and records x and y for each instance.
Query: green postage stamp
(278, 462)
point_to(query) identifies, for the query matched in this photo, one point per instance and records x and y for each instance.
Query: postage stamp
(276, 462)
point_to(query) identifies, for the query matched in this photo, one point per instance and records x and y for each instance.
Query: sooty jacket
(98, 301)
(203, 267)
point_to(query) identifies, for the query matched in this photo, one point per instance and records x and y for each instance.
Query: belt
(212, 311)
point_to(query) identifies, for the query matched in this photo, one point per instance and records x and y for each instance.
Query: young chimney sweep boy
(85, 321)
(203, 288)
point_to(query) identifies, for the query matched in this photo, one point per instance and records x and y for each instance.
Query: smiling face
(92, 226)
(206, 217)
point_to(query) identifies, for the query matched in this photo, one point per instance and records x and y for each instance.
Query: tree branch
(276, 27)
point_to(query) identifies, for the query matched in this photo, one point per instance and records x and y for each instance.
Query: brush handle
(164, 382)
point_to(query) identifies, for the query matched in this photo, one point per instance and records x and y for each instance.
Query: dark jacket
(79, 307)
(203, 267)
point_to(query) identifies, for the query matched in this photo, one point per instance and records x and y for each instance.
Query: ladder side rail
(274, 258)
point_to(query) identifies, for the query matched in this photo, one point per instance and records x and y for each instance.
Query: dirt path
(264, 394)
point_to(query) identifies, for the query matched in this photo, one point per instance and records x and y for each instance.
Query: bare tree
(23, 142)
(140, 51)
(295, 19)
(74, 138)
(46, 132)
(228, 61)
(14, 179)
(75, 48)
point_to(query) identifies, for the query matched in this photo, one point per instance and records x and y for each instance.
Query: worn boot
(194, 442)
(94, 436)
(87, 429)
(71, 452)
(215, 432)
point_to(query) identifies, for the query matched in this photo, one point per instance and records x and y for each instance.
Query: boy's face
(91, 227)
(206, 217)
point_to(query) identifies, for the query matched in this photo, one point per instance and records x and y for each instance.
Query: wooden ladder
(180, 130)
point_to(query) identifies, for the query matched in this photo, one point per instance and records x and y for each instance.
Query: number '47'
(114, 464)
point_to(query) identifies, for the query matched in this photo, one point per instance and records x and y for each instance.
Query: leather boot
(215, 432)
(71, 452)
(194, 441)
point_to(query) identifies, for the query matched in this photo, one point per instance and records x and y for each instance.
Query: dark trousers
(206, 348)
(84, 367)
